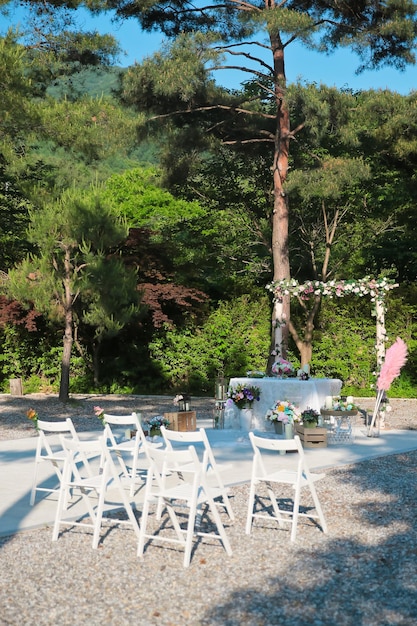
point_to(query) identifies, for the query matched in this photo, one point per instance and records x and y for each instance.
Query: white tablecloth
(304, 393)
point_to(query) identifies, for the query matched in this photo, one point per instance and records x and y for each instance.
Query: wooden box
(181, 420)
(312, 437)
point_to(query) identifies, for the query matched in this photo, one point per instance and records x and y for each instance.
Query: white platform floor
(231, 448)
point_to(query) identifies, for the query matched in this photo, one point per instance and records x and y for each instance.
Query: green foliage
(232, 240)
(355, 157)
(234, 339)
(47, 145)
(344, 345)
(93, 128)
(14, 220)
(139, 198)
(30, 356)
(92, 82)
(109, 296)
(15, 105)
(75, 278)
(58, 45)
(177, 73)
(78, 224)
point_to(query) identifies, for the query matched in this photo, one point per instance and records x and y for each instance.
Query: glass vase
(246, 419)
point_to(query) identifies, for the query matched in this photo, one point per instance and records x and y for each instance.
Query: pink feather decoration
(395, 358)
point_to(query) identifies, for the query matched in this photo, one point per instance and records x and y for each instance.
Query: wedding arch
(376, 288)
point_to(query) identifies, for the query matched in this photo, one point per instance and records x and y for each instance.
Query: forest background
(143, 239)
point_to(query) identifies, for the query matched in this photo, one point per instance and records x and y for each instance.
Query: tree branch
(251, 58)
(213, 107)
(241, 69)
(245, 141)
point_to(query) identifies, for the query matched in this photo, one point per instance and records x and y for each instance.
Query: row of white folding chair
(178, 465)
(164, 483)
(298, 479)
(50, 450)
(92, 488)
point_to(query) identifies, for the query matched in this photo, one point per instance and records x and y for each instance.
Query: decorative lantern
(220, 387)
(184, 402)
(220, 396)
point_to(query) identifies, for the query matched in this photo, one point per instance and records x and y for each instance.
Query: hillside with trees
(144, 212)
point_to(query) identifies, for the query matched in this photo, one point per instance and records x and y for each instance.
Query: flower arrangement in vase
(310, 418)
(155, 424)
(284, 412)
(244, 395)
(283, 368)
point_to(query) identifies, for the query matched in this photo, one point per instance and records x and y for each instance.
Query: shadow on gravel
(370, 580)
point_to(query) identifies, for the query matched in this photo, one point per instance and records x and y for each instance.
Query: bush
(234, 339)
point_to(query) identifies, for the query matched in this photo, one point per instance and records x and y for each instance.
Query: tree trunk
(96, 366)
(68, 333)
(65, 367)
(306, 351)
(280, 220)
(305, 344)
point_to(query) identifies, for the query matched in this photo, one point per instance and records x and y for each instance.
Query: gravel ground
(80, 408)
(362, 573)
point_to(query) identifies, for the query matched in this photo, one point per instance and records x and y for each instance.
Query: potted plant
(155, 424)
(310, 418)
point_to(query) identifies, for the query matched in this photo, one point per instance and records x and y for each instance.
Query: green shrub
(234, 339)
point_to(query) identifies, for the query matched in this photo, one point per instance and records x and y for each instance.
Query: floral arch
(376, 288)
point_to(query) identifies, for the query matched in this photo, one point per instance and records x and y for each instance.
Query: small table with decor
(339, 425)
(304, 393)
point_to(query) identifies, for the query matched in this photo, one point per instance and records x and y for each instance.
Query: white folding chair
(186, 491)
(173, 439)
(125, 447)
(298, 479)
(49, 449)
(104, 482)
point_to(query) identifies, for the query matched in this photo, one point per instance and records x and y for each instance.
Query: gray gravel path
(362, 573)
(80, 408)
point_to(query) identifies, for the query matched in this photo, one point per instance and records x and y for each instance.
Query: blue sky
(336, 70)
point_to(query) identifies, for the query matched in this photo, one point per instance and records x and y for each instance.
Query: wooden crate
(182, 420)
(312, 437)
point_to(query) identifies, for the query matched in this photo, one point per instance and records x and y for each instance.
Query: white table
(304, 393)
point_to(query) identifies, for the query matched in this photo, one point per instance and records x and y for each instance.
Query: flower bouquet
(244, 395)
(32, 415)
(99, 412)
(284, 412)
(282, 367)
